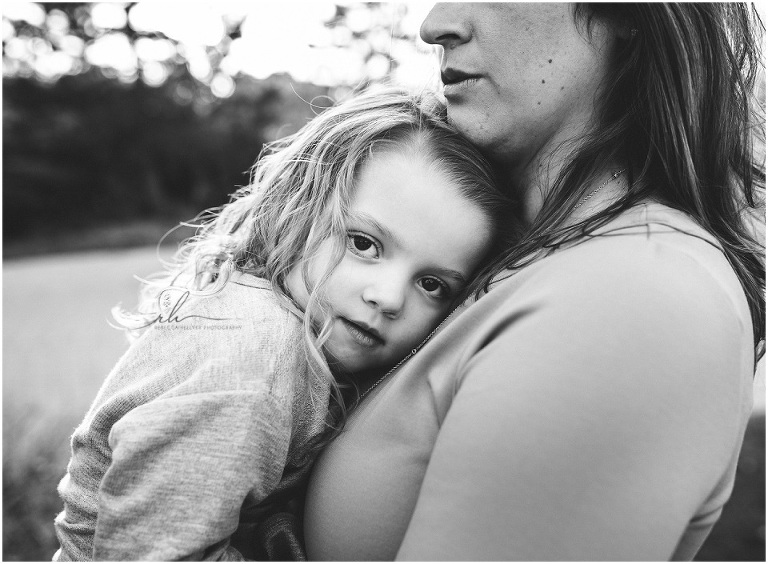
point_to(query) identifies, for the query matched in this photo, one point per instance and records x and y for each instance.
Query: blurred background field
(122, 119)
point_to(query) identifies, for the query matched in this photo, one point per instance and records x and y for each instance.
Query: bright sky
(277, 36)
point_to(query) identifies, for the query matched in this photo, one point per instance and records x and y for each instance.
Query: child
(354, 239)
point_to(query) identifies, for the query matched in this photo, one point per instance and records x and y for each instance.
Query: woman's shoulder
(651, 252)
(658, 223)
(652, 259)
(654, 225)
(653, 288)
(646, 314)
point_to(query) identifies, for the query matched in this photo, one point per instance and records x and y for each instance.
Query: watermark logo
(171, 303)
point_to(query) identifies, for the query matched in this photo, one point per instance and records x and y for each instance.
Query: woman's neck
(533, 183)
(533, 171)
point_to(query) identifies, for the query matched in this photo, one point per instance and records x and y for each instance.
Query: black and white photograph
(372, 281)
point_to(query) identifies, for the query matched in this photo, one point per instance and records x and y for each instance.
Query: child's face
(413, 242)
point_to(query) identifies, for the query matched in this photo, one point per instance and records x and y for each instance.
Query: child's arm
(182, 466)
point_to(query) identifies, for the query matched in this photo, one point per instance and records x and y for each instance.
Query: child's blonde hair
(297, 198)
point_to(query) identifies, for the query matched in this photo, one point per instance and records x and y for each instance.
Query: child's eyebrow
(450, 273)
(371, 221)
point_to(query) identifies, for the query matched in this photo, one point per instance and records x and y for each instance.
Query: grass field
(57, 349)
(58, 346)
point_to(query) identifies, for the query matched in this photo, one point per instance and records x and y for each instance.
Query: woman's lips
(458, 88)
(456, 82)
(360, 335)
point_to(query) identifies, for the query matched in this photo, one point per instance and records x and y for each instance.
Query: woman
(592, 404)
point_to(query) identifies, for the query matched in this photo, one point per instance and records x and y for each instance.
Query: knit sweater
(199, 431)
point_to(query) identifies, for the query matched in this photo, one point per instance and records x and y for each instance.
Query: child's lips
(361, 333)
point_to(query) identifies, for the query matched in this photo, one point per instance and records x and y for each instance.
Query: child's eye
(362, 245)
(435, 287)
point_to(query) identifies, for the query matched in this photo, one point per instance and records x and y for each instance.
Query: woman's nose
(446, 25)
(388, 296)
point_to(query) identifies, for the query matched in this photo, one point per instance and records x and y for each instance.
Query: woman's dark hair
(679, 107)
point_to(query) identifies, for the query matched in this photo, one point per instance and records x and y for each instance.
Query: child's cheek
(341, 280)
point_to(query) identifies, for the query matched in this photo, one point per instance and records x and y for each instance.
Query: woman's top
(589, 407)
(201, 427)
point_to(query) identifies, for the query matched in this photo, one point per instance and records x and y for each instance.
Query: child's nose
(387, 295)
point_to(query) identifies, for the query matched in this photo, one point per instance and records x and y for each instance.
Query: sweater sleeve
(593, 416)
(182, 467)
